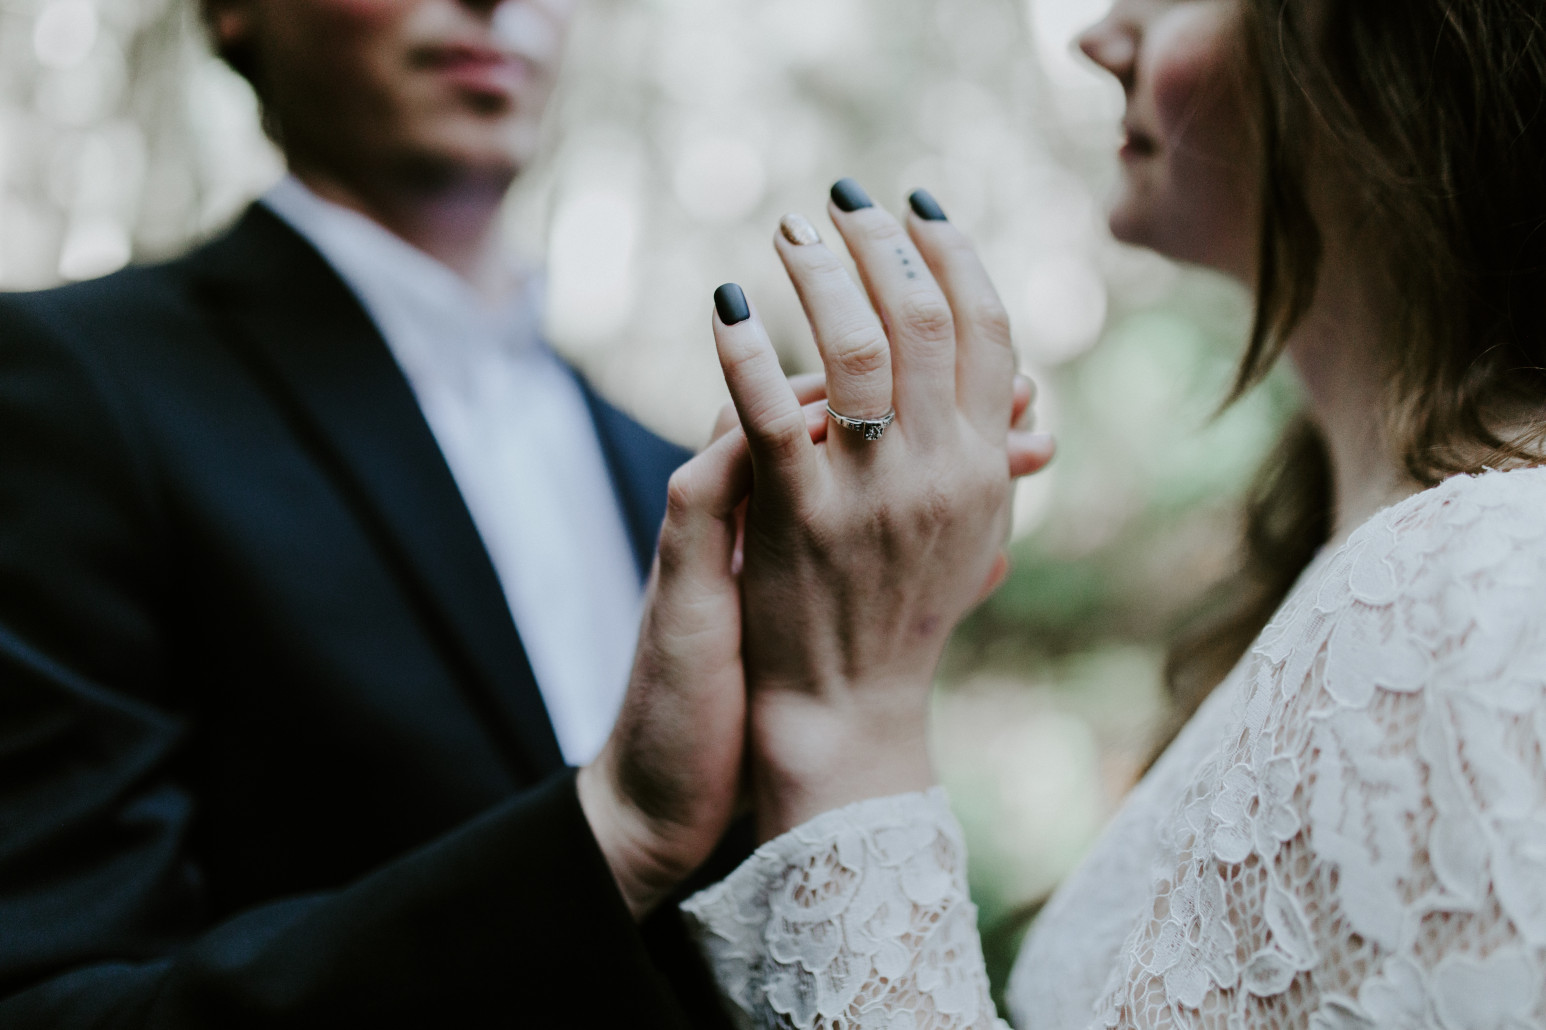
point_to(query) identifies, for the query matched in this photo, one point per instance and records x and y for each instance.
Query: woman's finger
(996, 577)
(1029, 452)
(1023, 415)
(984, 356)
(783, 456)
(809, 387)
(724, 421)
(915, 310)
(854, 351)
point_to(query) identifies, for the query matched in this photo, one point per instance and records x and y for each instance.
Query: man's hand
(663, 790)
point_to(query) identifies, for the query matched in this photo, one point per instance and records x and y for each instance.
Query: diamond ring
(870, 428)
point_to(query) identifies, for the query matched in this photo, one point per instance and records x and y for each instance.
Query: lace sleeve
(856, 920)
(1368, 848)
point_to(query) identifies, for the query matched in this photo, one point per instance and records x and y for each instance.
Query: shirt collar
(427, 312)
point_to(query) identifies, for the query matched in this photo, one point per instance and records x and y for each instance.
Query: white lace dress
(1350, 834)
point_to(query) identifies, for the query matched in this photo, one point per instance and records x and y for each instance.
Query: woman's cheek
(1195, 89)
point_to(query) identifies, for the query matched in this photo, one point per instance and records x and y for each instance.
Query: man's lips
(482, 69)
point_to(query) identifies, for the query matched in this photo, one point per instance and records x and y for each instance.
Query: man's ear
(230, 23)
(233, 28)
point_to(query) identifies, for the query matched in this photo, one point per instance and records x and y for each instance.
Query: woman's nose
(1112, 43)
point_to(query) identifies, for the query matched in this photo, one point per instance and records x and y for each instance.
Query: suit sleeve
(101, 917)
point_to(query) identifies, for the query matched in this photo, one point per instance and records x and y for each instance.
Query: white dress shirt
(518, 437)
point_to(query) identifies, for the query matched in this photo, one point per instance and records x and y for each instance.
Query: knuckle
(991, 319)
(781, 435)
(681, 493)
(821, 263)
(927, 316)
(887, 230)
(740, 363)
(860, 351)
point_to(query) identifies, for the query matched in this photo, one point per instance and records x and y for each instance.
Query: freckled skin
(1191, 192)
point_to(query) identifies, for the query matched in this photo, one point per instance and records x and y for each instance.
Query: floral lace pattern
(1350, 834)
(856, 919)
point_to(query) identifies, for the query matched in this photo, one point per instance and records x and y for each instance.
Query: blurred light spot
(810, 30)
(590, 283)
(94, 247)
(702, 66)
(234, 160)
(1064, 308)
(27, 246)
(1033, 503)
(64, 33)
(720, 179)
(87, 93)
(524, 30)
(1082, 90)
(1065, 212)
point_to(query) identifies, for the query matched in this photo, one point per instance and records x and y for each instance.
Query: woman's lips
(480, 69)
(1136, 144)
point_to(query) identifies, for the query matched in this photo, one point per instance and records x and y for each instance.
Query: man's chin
(466, 163)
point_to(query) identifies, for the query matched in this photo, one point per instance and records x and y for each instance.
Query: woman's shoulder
(1436, 590)
(1465, 526)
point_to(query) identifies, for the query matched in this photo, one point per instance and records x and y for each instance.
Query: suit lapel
(639, 463)
(312, 344)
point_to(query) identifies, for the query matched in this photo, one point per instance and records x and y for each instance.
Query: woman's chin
(1131, 224)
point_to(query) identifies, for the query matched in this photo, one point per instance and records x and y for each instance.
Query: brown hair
(1430, 118)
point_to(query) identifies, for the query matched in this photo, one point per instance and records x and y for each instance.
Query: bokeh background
(682, 131)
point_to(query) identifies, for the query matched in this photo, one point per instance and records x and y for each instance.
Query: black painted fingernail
(730, 302)
(850, 196)
(926, 207)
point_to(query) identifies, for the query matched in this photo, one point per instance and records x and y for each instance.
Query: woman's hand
(861, 556)
(662, 792)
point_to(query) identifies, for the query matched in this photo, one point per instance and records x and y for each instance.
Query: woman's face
(1190, 164)
(444, 86)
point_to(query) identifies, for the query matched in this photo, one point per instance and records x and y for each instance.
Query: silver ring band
(870, 428)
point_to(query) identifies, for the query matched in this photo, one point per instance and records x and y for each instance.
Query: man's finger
(698, 536)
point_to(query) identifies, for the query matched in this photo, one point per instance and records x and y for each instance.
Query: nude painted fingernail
(798, 230)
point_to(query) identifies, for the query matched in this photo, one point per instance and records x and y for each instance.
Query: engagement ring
(870, 428)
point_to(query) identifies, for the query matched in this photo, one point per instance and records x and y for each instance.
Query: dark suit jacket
(270, 750)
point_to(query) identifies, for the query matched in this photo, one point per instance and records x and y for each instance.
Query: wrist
(623, 839)
(810, 757)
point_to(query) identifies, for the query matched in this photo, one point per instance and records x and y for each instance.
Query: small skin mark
(928, 625)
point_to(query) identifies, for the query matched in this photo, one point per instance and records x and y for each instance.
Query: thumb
(698, 535)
